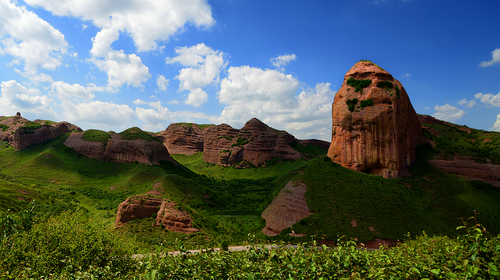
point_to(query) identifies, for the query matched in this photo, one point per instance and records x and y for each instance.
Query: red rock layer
(137, 207)
(22, 138)
(287, 208)
(180, 138)
(255, 143)
(380, 138)
(174, 219)
(489, 173)
(119, 150)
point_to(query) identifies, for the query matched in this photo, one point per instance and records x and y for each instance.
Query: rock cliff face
(254, 143)
(287, 208)
(117, 149)
(168, 215)
(375, 128)
(22, 133)
(182, 138)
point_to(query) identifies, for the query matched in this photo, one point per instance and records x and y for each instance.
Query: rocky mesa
(131, 145)
(183, 138)
(254, 143)
(22, 133)
(375, 128)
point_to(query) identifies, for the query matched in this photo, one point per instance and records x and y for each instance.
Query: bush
(4, 127)
(351, 104)
(385, 84)
(63, 244)
(358, 85)
(31, 125)
(366, 103)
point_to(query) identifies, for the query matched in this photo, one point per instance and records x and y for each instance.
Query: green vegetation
(31, 125)
(385, 84)
(4, 127)
(225, 137)
(351, 104)
(94, 135)
(200, 126)
(365, 60)
(397, 92)
(309, 151)
(365, 103)
(240, 142)
(358, 85)
(135, 133)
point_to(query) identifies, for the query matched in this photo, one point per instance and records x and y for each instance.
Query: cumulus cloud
(489, 99)
(496, 126)
(196, 97)
(146, 21)
(139, 102)
(17, 98)
(74, 92)
(495, 59)
(99, 113)
(162, 83)
(157, 115)
(469, 104)
(274, 98)
(204, 66)
(123, 69)
(29, 39)
(448, 113)
(282, 60)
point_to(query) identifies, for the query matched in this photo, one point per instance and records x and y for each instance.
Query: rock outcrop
(117, 149)
(287, 208)
(254, 143)
(22, 133)
(174, 219)
(137, 207)
(182, 138)
(168, 215)
(375, 128)
(489, 173)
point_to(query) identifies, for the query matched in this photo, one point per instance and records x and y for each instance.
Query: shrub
(358, 85)
(31, 125)
(351, 104)
(4, 127)
(94, 135)
(397, 92)
(385, 84)
(366, 103)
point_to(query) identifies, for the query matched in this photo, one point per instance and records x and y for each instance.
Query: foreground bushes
(71, 247)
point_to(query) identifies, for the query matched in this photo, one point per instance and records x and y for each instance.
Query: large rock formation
(287, 208)
(138, 207)
(118, 148)
(22, 133)
(183, 138)
(375, 128)
(254, 143)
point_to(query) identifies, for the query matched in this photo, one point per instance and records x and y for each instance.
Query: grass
(31, 125)
(309, 151)
(135, 133)
(200, 126)
(4, 127)
(94, 135)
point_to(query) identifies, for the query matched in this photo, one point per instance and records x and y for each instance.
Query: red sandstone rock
(137, 207)
(22, 138)
(255, 142)
(489, 173)
(181, 138)
(174, 219)
(120, 150)
(380, 138)
(287, 208)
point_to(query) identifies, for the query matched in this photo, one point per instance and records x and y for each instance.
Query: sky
(115, 64)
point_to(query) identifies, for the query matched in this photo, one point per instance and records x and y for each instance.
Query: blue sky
(115, 64)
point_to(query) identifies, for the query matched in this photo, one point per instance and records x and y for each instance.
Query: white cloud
(496, 126)
(156, 116)
(495, 59)
(488, 98)
(470, 103)
(448, 113)
(162, 83)
(196, 97)
(29, 39)
(174, 102)
(99, 113)
(406, 75)
(139, 102)
(273, 97)
(204, 66)
(282, 60)
(123, 69)
(146, 21)
(74, 92)
(17, 98)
